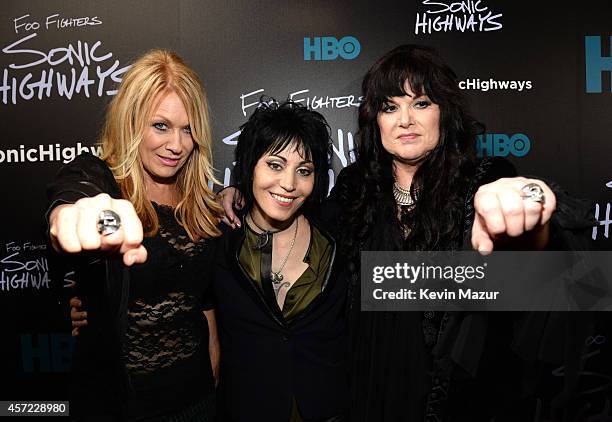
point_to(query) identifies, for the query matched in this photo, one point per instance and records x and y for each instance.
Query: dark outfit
(144, 354)
(274, 360)
(452, 366)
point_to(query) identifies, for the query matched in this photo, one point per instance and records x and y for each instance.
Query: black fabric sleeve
(339, 199)
(85, 176)
(488, 171)
(492, 169)
(208, 298)
(208, 302)
(571, 221)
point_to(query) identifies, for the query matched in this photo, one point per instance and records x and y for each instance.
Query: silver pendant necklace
(275, 276)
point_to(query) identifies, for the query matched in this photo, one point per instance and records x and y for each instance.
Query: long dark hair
(270, 129)
(443, 176)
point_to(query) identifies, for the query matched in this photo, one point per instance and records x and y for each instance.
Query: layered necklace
(406, 203)
(402, 196)
(264, 237)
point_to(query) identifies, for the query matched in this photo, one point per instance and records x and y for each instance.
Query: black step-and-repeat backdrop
(539, 76)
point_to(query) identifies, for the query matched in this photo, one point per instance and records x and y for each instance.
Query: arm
(81, 190)
(213, 344)
(73, 229)
(341, 198)
(84, 177)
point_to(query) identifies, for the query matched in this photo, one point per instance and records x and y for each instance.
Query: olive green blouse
(308, 285)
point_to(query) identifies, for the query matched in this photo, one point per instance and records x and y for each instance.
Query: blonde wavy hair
(127, 118)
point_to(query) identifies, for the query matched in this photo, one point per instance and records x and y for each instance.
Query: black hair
(426, 74)
(273, 127)
(442, 177)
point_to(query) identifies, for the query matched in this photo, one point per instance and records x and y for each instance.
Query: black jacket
(267, 362)
(102, 383)
(480, 365)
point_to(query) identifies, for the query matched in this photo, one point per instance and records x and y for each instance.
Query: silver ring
(533, 192)
(108, 222)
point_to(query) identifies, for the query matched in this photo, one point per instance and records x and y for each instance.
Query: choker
(265, 235)
(402, 196)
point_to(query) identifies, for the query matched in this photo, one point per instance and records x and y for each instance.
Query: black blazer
(267, 362)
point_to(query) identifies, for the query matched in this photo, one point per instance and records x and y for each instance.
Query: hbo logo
(501, 145)
(329, 48)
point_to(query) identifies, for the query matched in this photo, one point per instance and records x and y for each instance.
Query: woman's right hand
(73, 228)
(78, 317)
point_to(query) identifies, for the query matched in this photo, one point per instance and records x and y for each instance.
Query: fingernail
(484, 251)
(238, 223)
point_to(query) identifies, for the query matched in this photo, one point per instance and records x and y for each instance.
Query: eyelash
(389, 108)
(304, 172)
(419, 105)
(275, 166)
(163, 127)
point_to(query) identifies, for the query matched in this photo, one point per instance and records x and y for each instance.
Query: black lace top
(166, 342)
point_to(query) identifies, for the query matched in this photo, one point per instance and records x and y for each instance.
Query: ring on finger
(108, 222)
(533, 192)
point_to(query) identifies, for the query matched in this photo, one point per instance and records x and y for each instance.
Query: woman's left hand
(505, 215)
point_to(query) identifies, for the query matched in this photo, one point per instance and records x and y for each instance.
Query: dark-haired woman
(416, 185)
(279, 291)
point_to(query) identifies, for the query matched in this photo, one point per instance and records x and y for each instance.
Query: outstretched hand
(505, 216)
(73, 228)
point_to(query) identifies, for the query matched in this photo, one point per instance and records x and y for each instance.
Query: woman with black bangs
(280, 295)
(417, 186)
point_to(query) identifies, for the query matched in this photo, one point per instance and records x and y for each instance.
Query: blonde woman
(148, 352)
